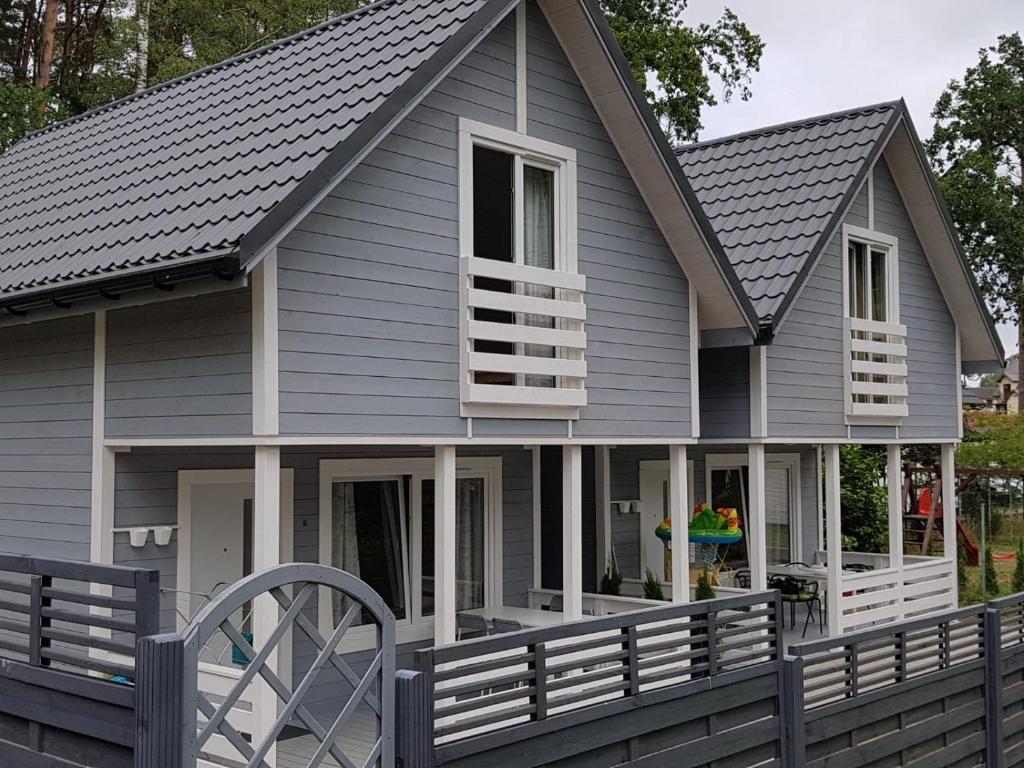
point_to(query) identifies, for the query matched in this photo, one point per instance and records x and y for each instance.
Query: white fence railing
(876, 368)
(530, 321)
(889, 594)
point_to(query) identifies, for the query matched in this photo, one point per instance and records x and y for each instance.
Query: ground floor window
(727, 485)
(377, 523)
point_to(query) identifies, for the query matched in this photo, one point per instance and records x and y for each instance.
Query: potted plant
(652, 586)
(611, 582)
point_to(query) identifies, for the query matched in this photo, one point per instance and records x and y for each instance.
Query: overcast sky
(827, 55)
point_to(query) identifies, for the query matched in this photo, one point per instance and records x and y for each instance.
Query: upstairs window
(875, 341)
(520, 296)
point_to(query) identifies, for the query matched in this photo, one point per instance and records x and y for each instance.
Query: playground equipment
(923, 511)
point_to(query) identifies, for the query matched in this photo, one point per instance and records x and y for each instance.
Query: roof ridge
(789, 125)
(195, 74)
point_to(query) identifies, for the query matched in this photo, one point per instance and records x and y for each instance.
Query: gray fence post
(994, 688)
(159, 701)
(414, 720)
(792, 694)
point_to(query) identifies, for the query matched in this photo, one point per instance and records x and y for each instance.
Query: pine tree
(1018, 569)
(991, 577)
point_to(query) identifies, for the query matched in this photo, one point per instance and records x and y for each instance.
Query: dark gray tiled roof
(772, 194)
(189, 167)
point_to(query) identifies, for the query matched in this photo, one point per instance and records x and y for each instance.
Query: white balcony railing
(876, 369)
(525, 350)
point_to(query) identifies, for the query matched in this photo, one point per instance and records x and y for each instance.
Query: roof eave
(606, 37)
(339, 162)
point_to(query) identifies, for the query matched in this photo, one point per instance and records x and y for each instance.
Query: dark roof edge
(947, 218)
(203, 70)
(675, 170)
(840, 213)
(779, 127)
(340, 160)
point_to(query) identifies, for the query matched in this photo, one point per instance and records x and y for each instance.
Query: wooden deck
(357, 739)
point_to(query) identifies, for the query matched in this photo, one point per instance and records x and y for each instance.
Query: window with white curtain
(377, 523)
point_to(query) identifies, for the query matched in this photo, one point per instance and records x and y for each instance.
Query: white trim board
(424, 441)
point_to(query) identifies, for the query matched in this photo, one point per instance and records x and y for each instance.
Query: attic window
(521, 300)
(875, 341)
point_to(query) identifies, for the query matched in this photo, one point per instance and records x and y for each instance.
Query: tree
(977, 150)
(1018, 568)
(863, 498)
(677, 62)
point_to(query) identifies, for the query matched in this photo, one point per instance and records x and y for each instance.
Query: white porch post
(266, 553)
(602, 479)
(572, 523)
(757, 540)
(949, 505)
(894, 476)
(444, 545)
(679, 517)
(834, 537)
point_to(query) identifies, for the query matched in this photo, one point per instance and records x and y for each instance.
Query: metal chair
(501, 626)
(469, 625)
(556, 603)
(742, 578)
(794, 591)
(858, 567)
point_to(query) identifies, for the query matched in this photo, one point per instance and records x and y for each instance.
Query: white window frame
(525, 150)
(414, 626)
(878, 241)
(791, 461)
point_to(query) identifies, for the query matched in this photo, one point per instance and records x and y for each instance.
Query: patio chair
(556, 603)
(500, 626)
(795, 591)
(742, 579)
(858, 567)
(469, 625)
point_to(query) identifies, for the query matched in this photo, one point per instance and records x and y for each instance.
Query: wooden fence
(60, 622)
(687, 684)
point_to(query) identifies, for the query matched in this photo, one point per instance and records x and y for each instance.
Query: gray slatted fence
(686, 685)
(59, 622)
(914, 693)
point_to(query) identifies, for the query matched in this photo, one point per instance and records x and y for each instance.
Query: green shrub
(704, 589)
(652, 586)
(864, 498)
(1018, 568)
(611, 582)
(991, 577)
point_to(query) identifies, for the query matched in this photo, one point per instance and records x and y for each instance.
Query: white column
(894, 478)
(834, 537)
(602, 479)
(757, 539)
(572, 523)
(678, 504)
(949, 502)
(444, 544)
(266, 553)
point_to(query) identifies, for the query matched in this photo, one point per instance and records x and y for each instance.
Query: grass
(1011, 530)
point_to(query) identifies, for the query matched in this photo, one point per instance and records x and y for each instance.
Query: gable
(369, 323)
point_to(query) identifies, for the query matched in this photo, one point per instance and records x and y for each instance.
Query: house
(424, 294)
(1009, 385)
(980, 398)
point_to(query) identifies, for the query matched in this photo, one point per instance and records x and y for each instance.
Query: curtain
(539, 251)
(469, 533)
(344, 541)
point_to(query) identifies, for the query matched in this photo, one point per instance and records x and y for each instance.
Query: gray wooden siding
(625, 485)
(724, 392)
(181, 367)
(805, 363)
(46, 437)
(368, 281)
(931, 332)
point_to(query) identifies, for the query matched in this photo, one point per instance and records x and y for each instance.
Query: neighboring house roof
(1012, 370)
(188, 168)
(777, 195)
(979, 395)
(773, 194)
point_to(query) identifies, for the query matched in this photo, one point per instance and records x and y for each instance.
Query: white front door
(215, 549)
(654, 496)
